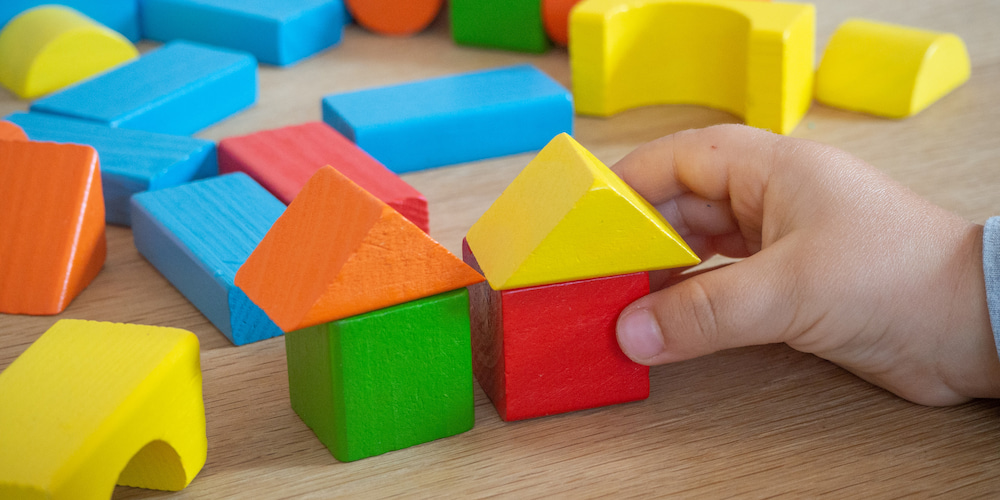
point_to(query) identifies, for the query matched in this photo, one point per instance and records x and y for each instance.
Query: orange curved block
(555, 18)
(752, 59)
(394, 17)
(338, 251)
(11, 132)
(52, 240)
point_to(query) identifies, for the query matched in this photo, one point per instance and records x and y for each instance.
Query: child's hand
(842, 262)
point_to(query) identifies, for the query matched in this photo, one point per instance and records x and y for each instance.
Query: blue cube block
(198, 235)
(179, 88)
(279, 33)
(119, 15)
(132, 161)
(455, 119)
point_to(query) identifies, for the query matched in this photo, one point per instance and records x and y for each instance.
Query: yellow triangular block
(569, 217)
(92, 404)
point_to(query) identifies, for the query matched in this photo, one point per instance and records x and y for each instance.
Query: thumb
(750, 302)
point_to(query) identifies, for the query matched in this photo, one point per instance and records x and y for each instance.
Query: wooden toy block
(453, 119)
(119, 15)
(889, 70)
(92, 404)
(282, 160)
(51, 225)
(552, 349)
(279, 33)
(48, 48)
(387, 379)
(11, 132)
(752, 59)
(179, 88)
(555, 19)
(132, 161)
(568, 217)
(338, 251)
(394, 17)
(499, 24)
(198, 235)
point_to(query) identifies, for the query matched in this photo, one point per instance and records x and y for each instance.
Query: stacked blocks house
(564, 249)
(375, 316)
(92, 404)
(282, 160)
(198, 235)
(52, 241)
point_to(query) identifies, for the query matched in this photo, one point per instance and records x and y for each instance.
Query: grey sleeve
(991, 270)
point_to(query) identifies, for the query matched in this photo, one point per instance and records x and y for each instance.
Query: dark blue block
(454, 119)
(132, 161)
(179, 88)
(119, 15)
(198, 235)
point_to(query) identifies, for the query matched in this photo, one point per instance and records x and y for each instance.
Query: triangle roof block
(568, 217)
(338, 251)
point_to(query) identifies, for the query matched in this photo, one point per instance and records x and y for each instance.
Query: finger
(690, 214)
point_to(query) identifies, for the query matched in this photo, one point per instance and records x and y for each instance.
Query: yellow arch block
(752, 59)
(50, 47)
(889, 70)
(90, 404)
(568, 217)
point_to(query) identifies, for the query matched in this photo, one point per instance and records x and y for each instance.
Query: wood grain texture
(755, 422)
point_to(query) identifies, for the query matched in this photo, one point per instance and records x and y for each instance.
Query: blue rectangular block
(119, 15)
(179, 88)
(454, 119)
(279, 33)
(198, 235)
(132, 161)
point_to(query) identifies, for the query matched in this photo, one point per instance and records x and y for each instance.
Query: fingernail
(639, 335)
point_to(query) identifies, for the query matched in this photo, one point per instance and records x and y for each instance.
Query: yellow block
(50, 47)
(889, 70)
(752, 59)
(90, 404)
(568, 217)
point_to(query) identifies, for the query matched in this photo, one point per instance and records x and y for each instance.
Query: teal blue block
(178, 89)
(454, 119)
(385, 380)
(132, 161)
(279, 33)
(198, 235)
(119, 15)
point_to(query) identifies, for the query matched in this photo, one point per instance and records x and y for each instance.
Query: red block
(282, 160)
(551, 349)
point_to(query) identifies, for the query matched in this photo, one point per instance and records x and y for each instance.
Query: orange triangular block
(51, 225)
(338, 251)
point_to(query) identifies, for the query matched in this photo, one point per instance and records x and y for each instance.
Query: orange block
(52, 240)
(11, 132)
(338, 251)
(555, 18)
(394, 17)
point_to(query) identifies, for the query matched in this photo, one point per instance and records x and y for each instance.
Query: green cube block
(385, 380)
(500, 24)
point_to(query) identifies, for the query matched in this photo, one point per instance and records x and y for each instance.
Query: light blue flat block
(119, 15)
(179, 88)
(198, 235)
(276, 32)
(132, 161)
(455, 119)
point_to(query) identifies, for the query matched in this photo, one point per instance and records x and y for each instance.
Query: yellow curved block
(568, 217)
(752, 59)
(90, 404)
(47, 48)
(889, 70)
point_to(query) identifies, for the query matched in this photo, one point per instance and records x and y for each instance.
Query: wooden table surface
(753, 422)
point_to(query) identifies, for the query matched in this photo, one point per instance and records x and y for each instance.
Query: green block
(385, 380)
(500, 24)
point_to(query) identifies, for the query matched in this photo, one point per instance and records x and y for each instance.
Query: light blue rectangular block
(132, 161)
(179, 88)
(198, 235)
(455, 119)
(119, 15)
(276, 32)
